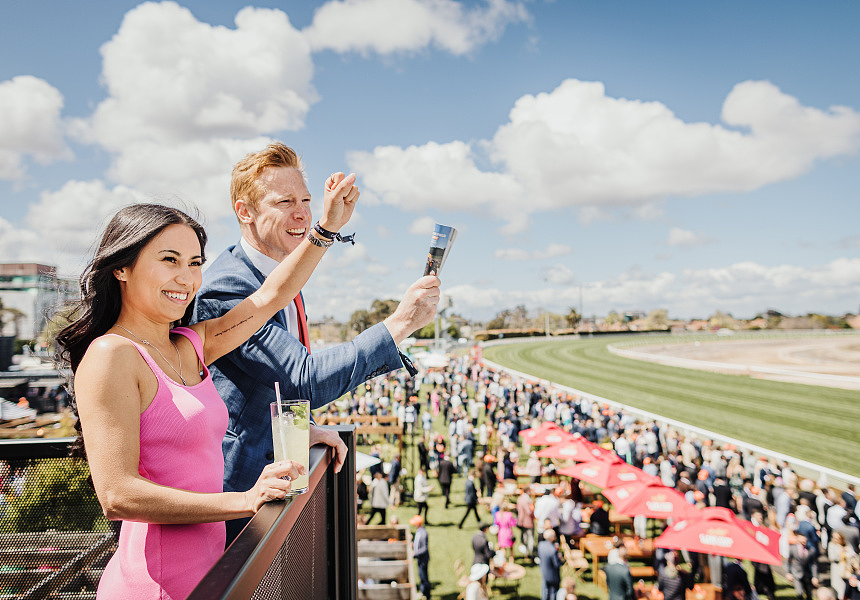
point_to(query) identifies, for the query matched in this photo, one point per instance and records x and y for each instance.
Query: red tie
(304, 336)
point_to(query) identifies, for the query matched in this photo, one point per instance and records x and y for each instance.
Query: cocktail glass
(291, 437)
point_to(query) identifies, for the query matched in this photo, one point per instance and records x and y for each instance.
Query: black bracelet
(331, 235)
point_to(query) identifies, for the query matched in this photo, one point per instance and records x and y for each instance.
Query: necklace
(143, 341)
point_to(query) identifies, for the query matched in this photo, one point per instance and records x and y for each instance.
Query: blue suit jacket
(246, 377)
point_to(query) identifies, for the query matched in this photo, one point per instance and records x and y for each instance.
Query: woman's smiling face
(167, 273)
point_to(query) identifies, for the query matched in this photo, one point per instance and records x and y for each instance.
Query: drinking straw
(278, 400)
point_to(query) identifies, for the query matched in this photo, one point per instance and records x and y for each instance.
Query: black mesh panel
(299, 569)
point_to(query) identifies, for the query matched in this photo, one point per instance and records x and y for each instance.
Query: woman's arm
(225, 333)
(108, 385)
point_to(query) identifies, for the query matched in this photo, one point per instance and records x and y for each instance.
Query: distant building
(31, 293)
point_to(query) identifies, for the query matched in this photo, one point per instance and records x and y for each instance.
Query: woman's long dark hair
(132, 228)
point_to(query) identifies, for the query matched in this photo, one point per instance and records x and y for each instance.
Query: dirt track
(837, 355)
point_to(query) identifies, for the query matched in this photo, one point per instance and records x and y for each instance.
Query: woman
(150, 417)
(477, 588)
(505, 521)
(841, 556)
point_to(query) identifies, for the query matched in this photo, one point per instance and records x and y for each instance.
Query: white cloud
(392, 26)
(31, 124)
(550, 251)
(172, 78)
(64, 226)
(432, 177)
(69, 220)
(684, 237)
(743, 289)
(423, 226)
(24, 245)
(559, 274)
(187, 99)
(577, 147)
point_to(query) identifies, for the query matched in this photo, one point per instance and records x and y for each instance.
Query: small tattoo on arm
(233, 327)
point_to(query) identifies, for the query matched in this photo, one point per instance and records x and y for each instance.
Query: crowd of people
(484, 411)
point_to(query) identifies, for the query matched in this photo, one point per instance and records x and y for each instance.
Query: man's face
(282, 218)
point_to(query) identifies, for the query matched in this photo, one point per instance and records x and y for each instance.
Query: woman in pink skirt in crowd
(505, 520)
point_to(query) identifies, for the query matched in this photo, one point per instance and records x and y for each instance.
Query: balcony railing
(301, 548)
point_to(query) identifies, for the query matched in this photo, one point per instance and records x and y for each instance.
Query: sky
(604, 156)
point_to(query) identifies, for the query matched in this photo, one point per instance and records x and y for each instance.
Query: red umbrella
(575, 448)
(606, 473)
(765, 536)
(717, 532)
(545, 435)
(651, 499)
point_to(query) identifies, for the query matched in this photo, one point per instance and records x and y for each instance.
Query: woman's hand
(341, 194)
(270, 485)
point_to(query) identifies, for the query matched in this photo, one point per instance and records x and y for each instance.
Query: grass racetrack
(813, 423)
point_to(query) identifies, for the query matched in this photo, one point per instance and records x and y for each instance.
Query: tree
(379, 311)
(501, 320)
(359, 321)
(428, 332)
(57, 495)
(658, 319)
(721, 320)
(519, 317)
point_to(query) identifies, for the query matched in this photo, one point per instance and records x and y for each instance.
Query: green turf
(813, 423)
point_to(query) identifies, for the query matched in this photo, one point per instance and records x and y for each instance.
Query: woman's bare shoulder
(111, 354)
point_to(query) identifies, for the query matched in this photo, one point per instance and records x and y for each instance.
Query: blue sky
(681, 155)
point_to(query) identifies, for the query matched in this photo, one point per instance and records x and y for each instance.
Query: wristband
(332, 235)
(319, 242)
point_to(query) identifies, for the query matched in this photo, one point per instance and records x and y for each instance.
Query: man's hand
(340, 196)
(318, 435)
(416, 310)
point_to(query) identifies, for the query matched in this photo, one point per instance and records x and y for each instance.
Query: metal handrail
(246, 561)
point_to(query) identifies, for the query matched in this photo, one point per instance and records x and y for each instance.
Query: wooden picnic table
(705, 591)
(599, 546)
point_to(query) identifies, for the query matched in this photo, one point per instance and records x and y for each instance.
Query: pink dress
(505, 521)
(180, 447)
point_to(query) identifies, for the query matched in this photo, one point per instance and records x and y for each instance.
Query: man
(394, 485)
(722, 493)
(272, 204)
(547, 508)
(421, 551)
(489, 474)
(444, 474)
(618, 579)
(762, 573)
(599, 523)
(734, 576)
(550, 565)
(379, 499)
(471, 498)
(801, 567)
(850, 498)
(481, 546)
